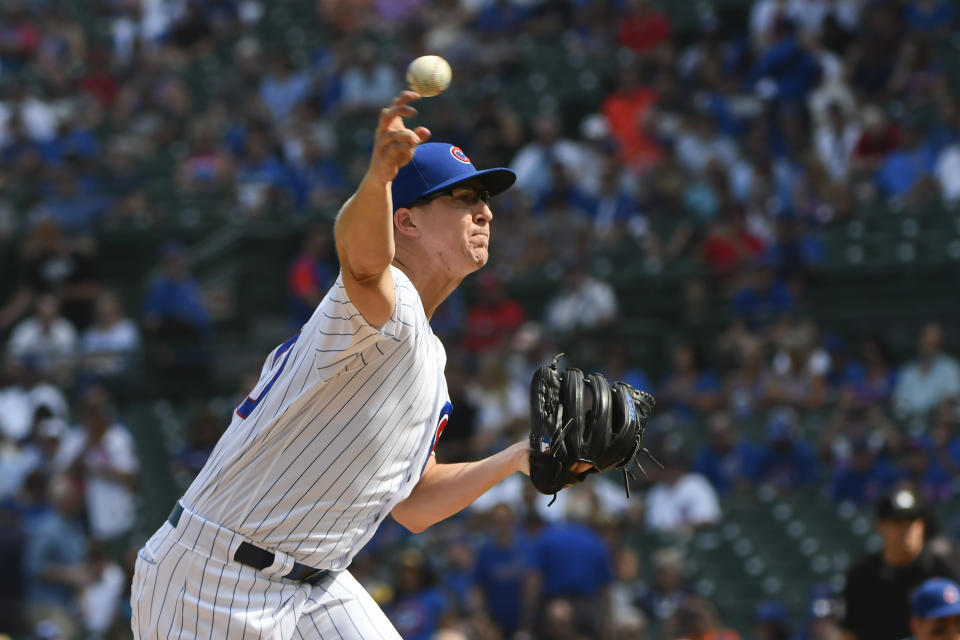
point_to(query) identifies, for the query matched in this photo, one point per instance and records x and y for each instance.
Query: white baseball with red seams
(429, 75)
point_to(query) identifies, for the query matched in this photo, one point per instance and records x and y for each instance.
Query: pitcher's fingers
(405, 136)
(580, 467)
(387, 114)
(399, 147)
(402, 148)
(423, 133)
(399, 154)
(406, 96)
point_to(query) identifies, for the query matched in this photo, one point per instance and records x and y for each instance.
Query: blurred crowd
(726, 148)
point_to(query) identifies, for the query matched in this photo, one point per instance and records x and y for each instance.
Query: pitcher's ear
(403, 222)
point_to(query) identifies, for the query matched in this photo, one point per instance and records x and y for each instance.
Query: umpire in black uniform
(878, 587)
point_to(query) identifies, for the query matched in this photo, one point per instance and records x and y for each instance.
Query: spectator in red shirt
(627, 110)
(493, 317)
(100, 81)
(19, 36)
(643, 28)
(208, 166)
(880, 137)
(729, 245)
(310, 274)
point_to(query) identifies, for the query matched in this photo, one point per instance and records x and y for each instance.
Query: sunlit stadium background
(748, 207)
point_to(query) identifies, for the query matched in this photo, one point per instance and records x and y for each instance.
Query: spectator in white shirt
(702, 143)
(929, 379)
(108, 345)
(947, 172)
(24, 395)
(583, 302)
(367, 83)
(100, 598)
(680, 500)
(46, 338)
(835, 140)
(103, 452)
(535, 160)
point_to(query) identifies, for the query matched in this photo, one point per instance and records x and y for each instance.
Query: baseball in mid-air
(429, 75)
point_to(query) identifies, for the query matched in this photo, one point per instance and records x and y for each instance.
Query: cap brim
(902, 515)
(946, 611)
(496, 181)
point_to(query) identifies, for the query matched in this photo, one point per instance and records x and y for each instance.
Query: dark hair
(882, 346)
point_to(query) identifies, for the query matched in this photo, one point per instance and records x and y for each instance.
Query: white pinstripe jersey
(336, 432)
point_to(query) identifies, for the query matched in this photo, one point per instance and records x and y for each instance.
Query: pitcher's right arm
(364, 227)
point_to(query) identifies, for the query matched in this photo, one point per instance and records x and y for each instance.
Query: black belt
(260, 559)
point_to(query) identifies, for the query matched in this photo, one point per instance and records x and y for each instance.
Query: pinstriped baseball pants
(186, 585)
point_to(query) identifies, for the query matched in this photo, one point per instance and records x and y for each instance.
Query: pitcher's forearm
(364, 226)
(364, 230)
(446, 489)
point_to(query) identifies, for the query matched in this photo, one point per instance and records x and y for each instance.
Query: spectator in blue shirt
(458, 571)
(795, 250)
(55, 560)
(945, 438)
(930, 17)
(922, 470)
(500, 17)
(617, 367)
(582, 578)
(785, 460)
(873, 381)
(262, 180)
(908, 171)
(75, 210)
(771, 621)
(176, 318)
(501, 564)
(284, 87)
(418, 605)
(613, 207)
(792, 70)
(763, 298)
(865, 479)
(689, 388)
(320, 181)
(174, 296)
(204, 431)
(727, 460)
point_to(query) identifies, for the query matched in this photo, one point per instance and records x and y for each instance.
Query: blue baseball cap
(936, 598)
(439, 165)
(771, 611)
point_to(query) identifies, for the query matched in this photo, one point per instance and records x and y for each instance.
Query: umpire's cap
(437, 166)
(901, 504)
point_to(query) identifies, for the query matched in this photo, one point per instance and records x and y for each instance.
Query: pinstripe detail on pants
(183, 590)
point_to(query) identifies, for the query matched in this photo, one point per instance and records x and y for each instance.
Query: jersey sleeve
(407, 319)
(339, 334)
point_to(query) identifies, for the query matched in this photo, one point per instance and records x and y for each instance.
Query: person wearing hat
(339, 431)
(771, 621)
(878, 587)
(823, 613)
(936, 610)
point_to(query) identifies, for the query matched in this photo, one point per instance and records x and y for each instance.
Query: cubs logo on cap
(951, 594)
(458, 153)
(437, 166)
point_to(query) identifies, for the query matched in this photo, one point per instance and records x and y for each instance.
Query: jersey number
(283, 351)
